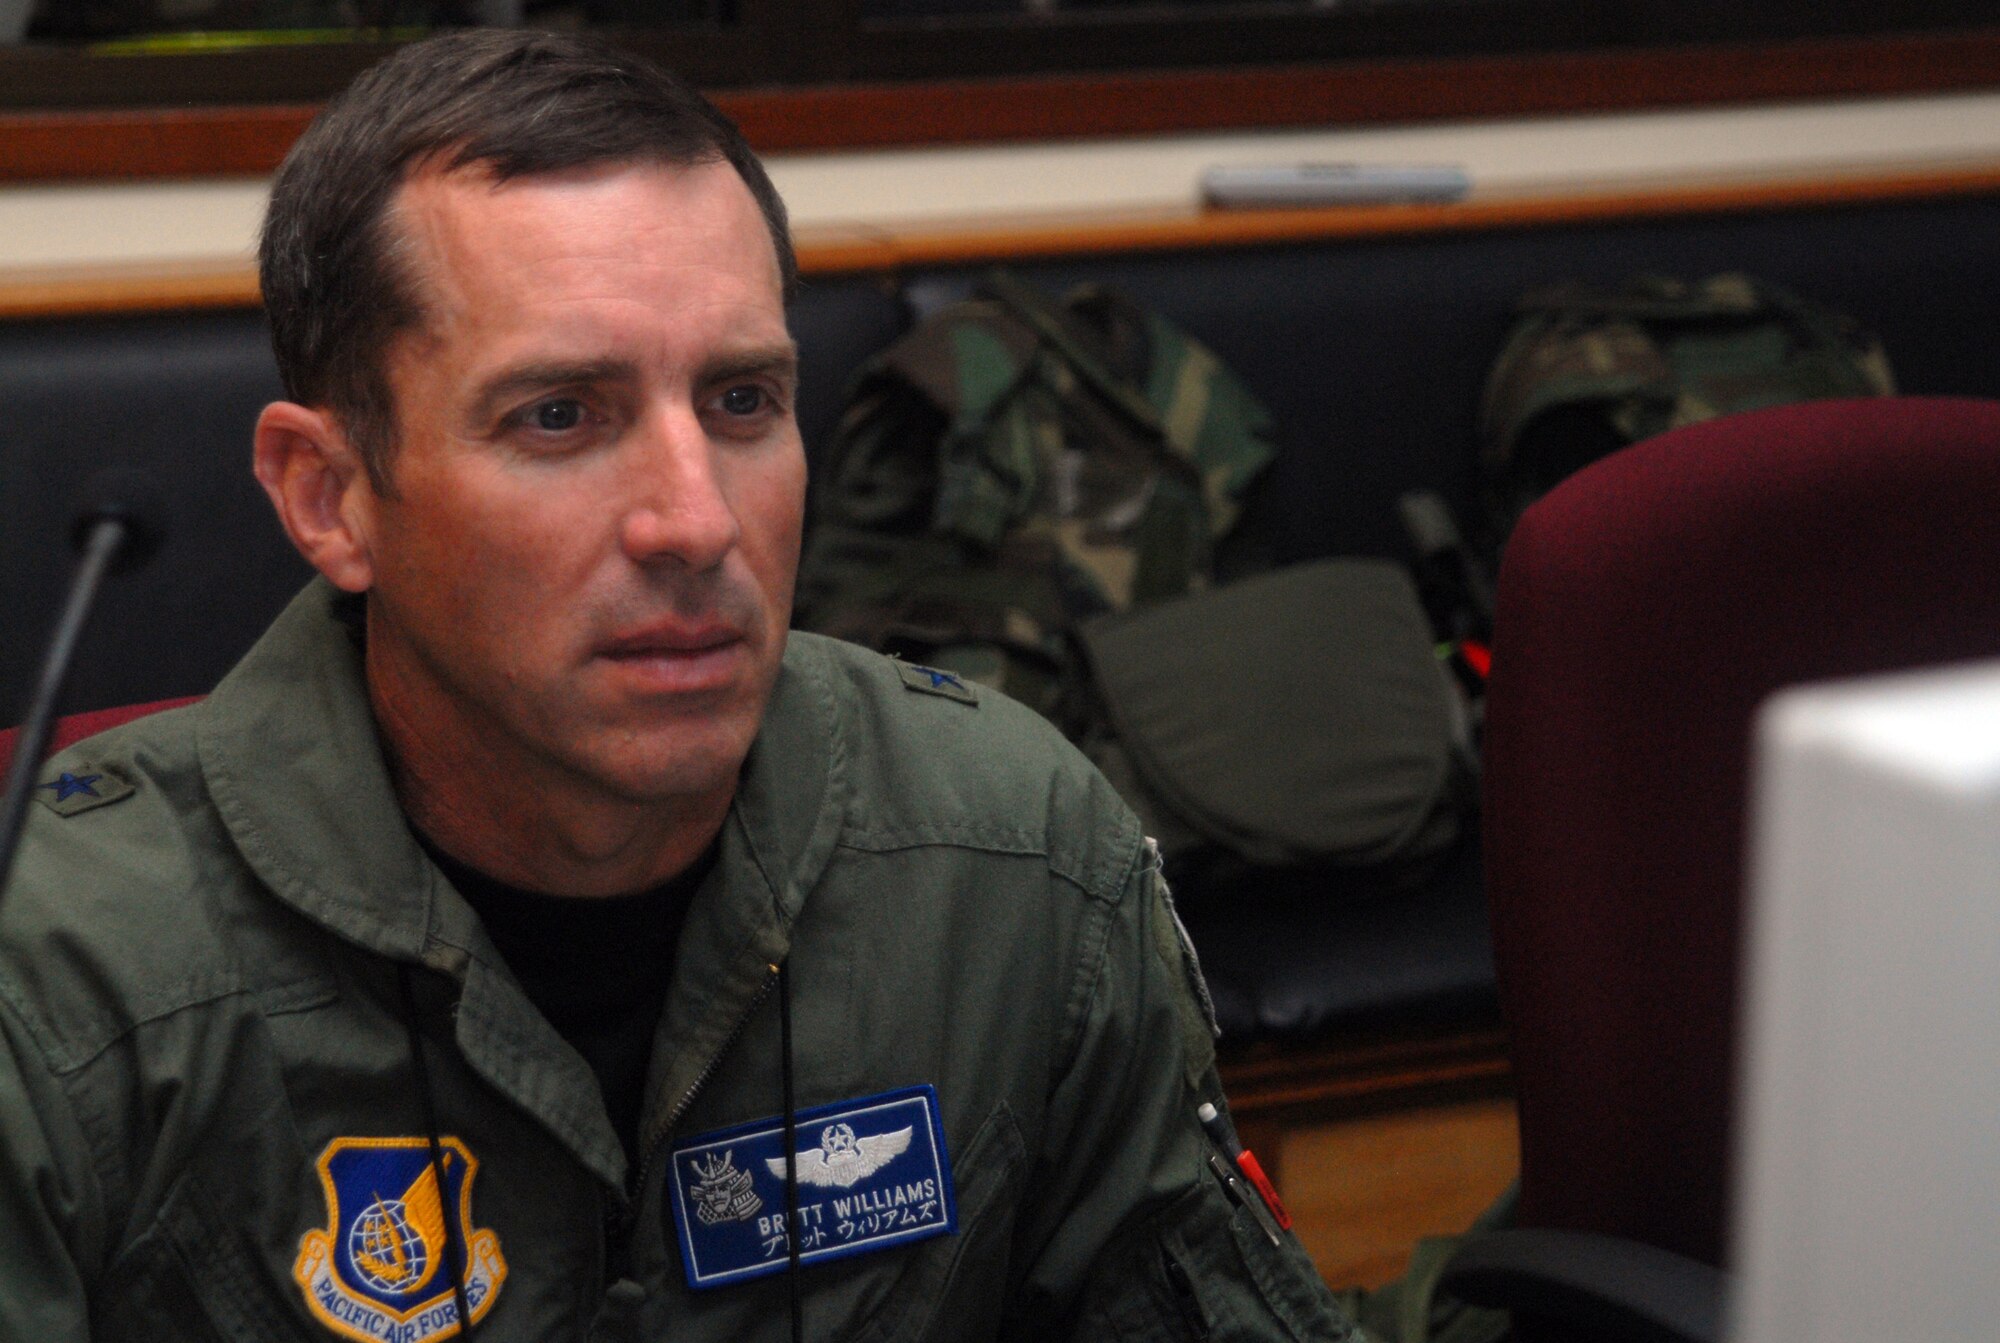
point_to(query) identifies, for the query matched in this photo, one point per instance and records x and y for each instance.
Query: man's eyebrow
(526, 378)
(780, 359)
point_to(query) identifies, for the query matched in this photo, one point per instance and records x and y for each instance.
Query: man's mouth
(677, 657)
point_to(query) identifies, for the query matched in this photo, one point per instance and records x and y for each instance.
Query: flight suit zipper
(620, 1221)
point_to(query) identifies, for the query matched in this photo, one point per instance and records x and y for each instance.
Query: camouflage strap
(1209, 424)
(1206, 414)
(1035, 310)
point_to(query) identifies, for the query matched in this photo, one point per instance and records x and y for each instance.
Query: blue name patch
(872, 1173)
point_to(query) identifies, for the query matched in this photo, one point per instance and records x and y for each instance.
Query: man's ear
(321, 490)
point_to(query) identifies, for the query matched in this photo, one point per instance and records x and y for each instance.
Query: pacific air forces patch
(377, 1272)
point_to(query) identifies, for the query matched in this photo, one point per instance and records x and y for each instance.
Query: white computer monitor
(1868, 1194)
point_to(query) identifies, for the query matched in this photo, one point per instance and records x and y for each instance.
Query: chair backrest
(77, 726)
(1645, 608)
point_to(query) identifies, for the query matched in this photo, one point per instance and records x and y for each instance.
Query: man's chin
(673, 771)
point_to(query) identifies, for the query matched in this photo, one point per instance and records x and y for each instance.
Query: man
(528, 932)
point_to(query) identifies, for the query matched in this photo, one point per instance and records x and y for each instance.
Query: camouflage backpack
(1587, 370)
(1015, 466)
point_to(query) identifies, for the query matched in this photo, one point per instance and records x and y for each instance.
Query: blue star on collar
(69, 785)
(81, 788)
(936, 681)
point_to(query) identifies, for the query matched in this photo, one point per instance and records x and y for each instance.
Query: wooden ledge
(832, 251)
(947, 242)
(1278, 1090)
(1282, 1084)
(137, 287)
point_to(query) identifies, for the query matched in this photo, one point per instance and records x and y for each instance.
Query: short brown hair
(512, 102)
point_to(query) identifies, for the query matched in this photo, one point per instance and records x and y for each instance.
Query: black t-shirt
(596, 966)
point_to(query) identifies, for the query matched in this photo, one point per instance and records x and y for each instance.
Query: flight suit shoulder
(128, 900)
(934, 758)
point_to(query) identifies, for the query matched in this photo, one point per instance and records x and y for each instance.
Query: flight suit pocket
(1203, 1271)
(191, 1275)
(1224, 1273)
(956, 1284)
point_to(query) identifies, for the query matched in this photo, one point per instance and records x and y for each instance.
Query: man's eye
(557, 417)
(745, 400)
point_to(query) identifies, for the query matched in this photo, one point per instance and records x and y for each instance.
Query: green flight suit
(200, 1003)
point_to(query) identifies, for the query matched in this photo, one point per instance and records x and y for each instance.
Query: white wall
(70, 225)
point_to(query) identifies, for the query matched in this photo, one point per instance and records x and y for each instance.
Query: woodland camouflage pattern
(1014, 466)
(1587, 370)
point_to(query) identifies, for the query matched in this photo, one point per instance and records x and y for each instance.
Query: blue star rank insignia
(873, 1173)
(937, 681)
(80, 789)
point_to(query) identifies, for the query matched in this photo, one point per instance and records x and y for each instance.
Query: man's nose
(680, 509)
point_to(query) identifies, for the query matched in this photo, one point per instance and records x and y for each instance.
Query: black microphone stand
(113, 534)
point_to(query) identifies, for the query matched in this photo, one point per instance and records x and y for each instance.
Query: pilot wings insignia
(842, 1160)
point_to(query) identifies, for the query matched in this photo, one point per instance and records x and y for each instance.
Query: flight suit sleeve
(42, 1291)
(1133, 1234)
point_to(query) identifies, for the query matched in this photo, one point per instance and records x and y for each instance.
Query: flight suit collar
(290, 754)
(291, 758)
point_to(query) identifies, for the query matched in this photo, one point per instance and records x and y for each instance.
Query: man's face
(582, 577)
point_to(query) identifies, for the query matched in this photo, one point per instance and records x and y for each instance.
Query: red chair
(77, 726)
(1646, 607)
